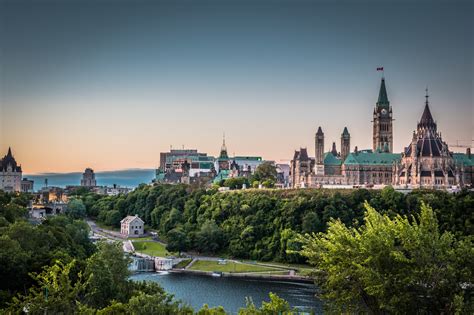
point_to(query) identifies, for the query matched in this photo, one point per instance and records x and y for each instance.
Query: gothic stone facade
(10, 173)
(426, 162)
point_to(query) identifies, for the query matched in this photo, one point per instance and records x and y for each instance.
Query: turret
(319, 146)
(334, 150)
(345, 144)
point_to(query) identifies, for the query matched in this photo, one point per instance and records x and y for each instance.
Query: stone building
(426, 162)
(10, 173)
(301, 168)
(382, 122)
(88, 178)
(319, 152)
(345, 144)
(27, 185)
(132, 226)
(369, 168)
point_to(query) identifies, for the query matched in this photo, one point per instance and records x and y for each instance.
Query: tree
(236, 182)
(13, 262)
(276, 305)
(177, 240)
(210, 237)
(289, 246)
(392, 265)
(76, 209)
(265, 171)
(113, 218)
(55, 293)
(108, 274)
(311, 223)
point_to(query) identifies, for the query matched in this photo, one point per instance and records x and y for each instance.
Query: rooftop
(366, 158)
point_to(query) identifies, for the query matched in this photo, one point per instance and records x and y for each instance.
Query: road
(116, 236)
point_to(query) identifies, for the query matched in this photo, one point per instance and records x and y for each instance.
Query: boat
(216, 274)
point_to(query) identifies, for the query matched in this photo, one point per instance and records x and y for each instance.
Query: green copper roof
(365, 158)
(206, 165)
(383, 98)
(330, 159)
(248, 158)
(462, 158)
(223, 174)
(345, 132)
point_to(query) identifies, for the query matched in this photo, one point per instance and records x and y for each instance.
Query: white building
(10, 173)
(132, 226)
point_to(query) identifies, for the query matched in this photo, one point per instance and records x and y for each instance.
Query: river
(196, 290)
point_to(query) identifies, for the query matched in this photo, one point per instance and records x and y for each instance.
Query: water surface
(197, 290)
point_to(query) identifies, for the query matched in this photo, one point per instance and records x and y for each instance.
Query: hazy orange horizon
(96, 86)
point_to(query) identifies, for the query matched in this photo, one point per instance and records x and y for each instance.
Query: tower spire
(9, 151)
(383, 98)
(223, 153)
(427, 121)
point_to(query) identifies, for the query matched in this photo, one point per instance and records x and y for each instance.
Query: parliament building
(425, 163)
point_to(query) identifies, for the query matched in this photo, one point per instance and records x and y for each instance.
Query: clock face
(384, 111)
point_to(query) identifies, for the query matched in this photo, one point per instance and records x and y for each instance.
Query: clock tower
(382, 122)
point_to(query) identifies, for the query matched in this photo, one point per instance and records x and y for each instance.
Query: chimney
(356, 150)
(468, 153)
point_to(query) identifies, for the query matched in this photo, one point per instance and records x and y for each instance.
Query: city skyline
(115, 85)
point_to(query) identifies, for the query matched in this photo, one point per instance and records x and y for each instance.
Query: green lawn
(144, 238)
(183, 263)
(301, 269)
(211, 265)
(151, 248)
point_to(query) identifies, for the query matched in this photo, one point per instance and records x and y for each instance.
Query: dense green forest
(263, 224)
(53, 268)
(403, 256)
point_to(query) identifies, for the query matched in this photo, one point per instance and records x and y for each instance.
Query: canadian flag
(380, 69)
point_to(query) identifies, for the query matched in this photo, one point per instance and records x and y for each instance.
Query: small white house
(131, 226)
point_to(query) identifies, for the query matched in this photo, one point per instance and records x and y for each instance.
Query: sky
(111, 84)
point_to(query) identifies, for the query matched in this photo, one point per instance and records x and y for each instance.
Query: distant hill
(124, 178)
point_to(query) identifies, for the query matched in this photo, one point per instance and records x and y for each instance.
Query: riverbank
(208, 265)
(243, 275)
(232, 292)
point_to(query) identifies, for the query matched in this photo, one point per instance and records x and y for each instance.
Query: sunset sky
(110, 84)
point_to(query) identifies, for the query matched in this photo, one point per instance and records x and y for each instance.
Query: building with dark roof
(427, 161)
(301, 168)
(10, 173)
